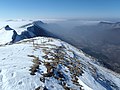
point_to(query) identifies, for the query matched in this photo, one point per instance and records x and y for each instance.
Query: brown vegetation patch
(34, 68)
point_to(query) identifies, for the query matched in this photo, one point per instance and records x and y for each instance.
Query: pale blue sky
(32, 9)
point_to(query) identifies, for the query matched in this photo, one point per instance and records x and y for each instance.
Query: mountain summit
(8, 28)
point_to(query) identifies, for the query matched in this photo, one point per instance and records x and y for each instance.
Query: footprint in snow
(1, 77)
(13, 74)
(3, 58)
(20, 82)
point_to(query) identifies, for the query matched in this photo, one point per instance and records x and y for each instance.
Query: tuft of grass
(34, 68)
(36, 60)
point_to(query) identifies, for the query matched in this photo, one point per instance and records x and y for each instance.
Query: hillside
(51, 64)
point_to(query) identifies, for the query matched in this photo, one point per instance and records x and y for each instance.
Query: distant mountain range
(110, 24)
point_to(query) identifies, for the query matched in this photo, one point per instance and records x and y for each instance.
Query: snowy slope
(51, 64)
(4, 36)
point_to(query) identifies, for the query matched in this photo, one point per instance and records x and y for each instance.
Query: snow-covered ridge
(51, 64)
(11, 31)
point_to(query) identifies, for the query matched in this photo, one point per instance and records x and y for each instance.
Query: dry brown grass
(34, 69)
(36, 60)
(35, 66)
(58, 56)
